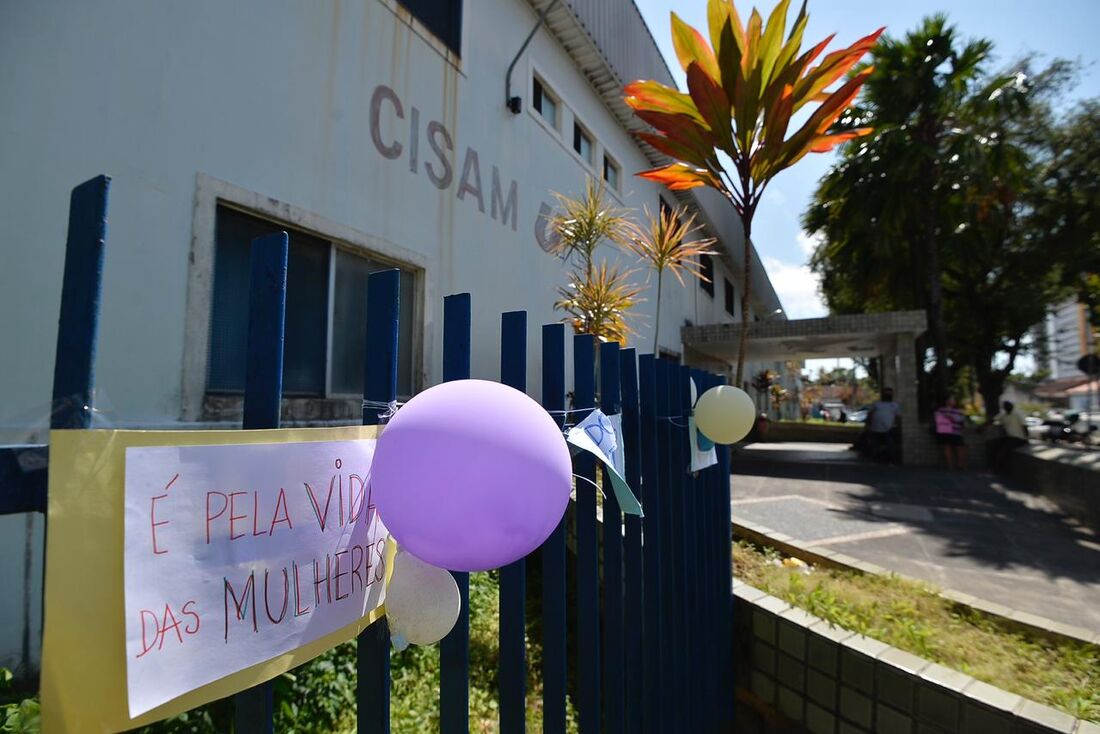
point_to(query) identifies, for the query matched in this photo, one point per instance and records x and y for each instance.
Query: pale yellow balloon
(725, 414)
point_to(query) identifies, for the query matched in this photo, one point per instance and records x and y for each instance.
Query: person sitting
(882, 431)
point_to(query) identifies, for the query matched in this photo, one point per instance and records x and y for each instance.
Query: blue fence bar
(513, 579)
(454, 650)
(588, 572)
(652, 609)
(632, 547)
(372, 692)
(689, 570)
(614, 689)
(554, 622)
(78, 322)
(669, 644)
(665, 614)
(254, 709)
(726, 561)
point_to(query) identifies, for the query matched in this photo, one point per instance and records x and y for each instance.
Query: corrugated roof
(612, 45)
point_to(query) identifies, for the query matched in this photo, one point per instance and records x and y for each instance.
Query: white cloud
(807, 242)
(797, 288)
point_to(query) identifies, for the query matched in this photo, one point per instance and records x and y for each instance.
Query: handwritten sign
(235, 554)
(599, 435)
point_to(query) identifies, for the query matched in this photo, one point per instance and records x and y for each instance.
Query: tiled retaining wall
(831, 681)
(1069, 477)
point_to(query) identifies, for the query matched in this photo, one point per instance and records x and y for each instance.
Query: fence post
(670, 653)
(513, 579)
(554, 652)
(372, 695)
(653, 665)
(254, 710)
(588, 580)
(454, 650)
(613, 635)
(689, 570)
(632, 545)
(78, 320)
(728, 673)
(677, 575)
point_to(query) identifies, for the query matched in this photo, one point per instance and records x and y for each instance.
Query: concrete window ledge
(829, 680)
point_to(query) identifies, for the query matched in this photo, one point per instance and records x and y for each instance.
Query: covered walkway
(890, 336)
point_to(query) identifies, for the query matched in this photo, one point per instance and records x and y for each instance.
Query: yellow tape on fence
(84, 653)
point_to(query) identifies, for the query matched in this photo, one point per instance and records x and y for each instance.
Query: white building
(1068, 339)
(374, 131)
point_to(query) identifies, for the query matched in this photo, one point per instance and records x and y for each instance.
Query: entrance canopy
(889, 335)
(855, 335)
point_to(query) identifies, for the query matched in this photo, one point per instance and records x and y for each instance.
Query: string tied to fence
(386, 409)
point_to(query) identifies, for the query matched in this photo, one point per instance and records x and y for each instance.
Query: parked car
(835, 411)
(858, 416)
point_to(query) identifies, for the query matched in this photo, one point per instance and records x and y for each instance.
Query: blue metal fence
(651, 647)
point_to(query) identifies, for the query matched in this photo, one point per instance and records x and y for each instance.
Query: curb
(1034, 623)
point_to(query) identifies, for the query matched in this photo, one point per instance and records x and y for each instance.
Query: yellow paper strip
(84, 645)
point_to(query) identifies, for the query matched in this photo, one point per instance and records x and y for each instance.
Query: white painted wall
(274, 98)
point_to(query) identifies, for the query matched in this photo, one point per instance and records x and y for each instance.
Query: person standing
(1015, 435)
(948, 421)
(882, 427)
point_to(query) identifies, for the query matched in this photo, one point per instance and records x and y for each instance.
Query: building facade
(375, 132)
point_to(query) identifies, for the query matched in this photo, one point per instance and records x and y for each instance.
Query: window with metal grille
(442, 17)
(326, 297)
(706, 262)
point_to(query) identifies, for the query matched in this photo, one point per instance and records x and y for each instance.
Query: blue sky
(1065, 28)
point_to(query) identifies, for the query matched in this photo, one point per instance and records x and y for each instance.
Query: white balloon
(694, 391)
(422, 601)
(725, 414)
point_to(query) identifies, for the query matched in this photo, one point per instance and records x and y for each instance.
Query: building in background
(378, 133)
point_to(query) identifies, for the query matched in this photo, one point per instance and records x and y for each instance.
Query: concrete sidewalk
(966, 531)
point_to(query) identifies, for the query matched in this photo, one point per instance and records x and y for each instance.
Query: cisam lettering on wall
(235, 554)
(428, 146)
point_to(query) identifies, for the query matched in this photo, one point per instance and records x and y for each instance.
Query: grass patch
(319, 697)
(912, 616)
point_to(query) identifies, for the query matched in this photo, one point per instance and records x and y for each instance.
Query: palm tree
(881, 208)
(596, 297)
(597, 301)
(663, 245)
(585, 222)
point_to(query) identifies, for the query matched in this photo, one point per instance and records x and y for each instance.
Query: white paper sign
(235, 554)
(699, 459)
(599, 434)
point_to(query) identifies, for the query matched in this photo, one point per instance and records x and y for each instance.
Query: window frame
(453, 54)
(730, 297)
(210, 193)
(547, 91)
(586, 133)
(609, 159)
(706, 264)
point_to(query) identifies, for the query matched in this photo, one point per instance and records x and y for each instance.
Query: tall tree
(882, 202)
(744, 88)
(1069, 209)
(937, 209)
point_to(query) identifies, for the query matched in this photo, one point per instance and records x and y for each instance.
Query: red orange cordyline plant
(743, 88)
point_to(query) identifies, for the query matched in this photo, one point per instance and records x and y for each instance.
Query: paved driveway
(960, 530)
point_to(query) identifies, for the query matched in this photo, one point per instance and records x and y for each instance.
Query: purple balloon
(471, 475)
